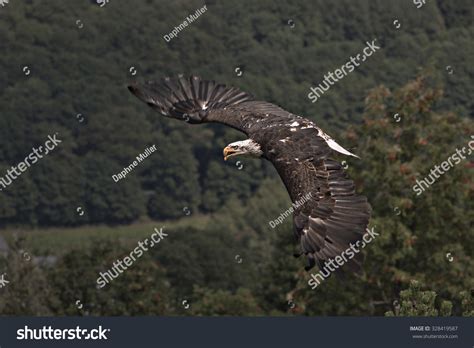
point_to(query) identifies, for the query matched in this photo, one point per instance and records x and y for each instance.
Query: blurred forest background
(221, 256)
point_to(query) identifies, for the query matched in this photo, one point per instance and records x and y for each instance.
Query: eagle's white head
(244, 147)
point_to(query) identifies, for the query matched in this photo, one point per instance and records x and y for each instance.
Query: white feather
(335, 146)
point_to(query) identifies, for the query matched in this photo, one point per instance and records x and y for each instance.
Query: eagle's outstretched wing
(335, 215)
(201, 101)
(191, 99)
(328, 214)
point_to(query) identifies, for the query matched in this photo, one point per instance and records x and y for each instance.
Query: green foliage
(206, 258)
(69, 286)
(209, 302)
(141, 289)
(415, 302)
(434, 224)
(28, 291)
(171, 179)
(85, 70)
(106, 200)
(467, 303)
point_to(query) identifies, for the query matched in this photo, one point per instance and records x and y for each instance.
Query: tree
(141, 289)
(415, 302)
(420, 236)
(218, 302)
(28, 291)
(106, 200)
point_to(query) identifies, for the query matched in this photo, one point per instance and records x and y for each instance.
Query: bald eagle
(334, 216)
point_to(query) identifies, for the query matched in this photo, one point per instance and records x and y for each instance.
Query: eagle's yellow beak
(228, 152)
